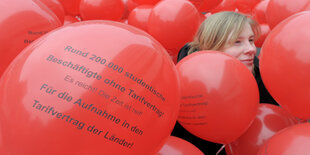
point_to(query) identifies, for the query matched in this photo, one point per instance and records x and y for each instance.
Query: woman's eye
(251, 40)
(238, 42)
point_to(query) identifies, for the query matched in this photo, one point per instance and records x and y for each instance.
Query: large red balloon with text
(56, 7)
(269, 120)
(21, 22)
(278, 10)
(71, 7)
(285, 55)
(219, 96)
(177, 146)
(97, 87)
(173, 23)
(294, 140)
(102, 9)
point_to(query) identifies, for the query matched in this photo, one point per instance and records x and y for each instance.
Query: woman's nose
(250, 48)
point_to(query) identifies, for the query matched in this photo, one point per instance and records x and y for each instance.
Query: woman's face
(243, 48)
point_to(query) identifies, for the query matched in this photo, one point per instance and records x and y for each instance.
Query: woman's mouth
(247, 62)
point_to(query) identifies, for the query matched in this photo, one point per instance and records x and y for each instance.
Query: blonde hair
(219, 29)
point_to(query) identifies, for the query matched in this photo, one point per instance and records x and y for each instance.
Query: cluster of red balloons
(292, 140)
(212, 106)
(269, 120)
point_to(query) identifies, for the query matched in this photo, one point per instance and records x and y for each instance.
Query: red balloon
(149, 2)
(70, 19)
(292, 140)
(131, 5)
(21, 22)
(126, 11)
(71, 7)
(139, 16)
(225, 5)
(259, 12)
(95, 87)
(246, 6)
(173, 53)
(56, 7)
(173, 23)
(264, 33)
(219, 96)
(278, 10)
(285, 55)
(269, 120)
(178, 146)
(102, 9)
(206, 5)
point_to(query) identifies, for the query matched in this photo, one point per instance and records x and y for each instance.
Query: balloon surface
(173, 23)
(56, 7)
(96, 87)
(70, 19)
(264, 33)
(278, 10)
(178, 146)
(71, 6)
(285, 55)
(294, 140)
(149, 2)
(225, 5)
(269, 120)
(139, 16)
(206, 5)
(259, 12)
(246, 6)
(219, 96)
(102, 9)
(21, 22)
(131, 5)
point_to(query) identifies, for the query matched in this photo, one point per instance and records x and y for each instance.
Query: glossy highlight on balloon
(219, 96)
(81, 90)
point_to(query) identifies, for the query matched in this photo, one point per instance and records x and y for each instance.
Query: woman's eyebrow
(241, 37)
